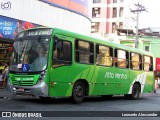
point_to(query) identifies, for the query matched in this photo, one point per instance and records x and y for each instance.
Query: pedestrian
(2, 67)
(158, 82)
(4, 75)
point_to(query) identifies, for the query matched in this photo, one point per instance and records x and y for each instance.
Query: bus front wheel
(78, 92)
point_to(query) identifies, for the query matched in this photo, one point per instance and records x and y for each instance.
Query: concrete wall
(39, 12)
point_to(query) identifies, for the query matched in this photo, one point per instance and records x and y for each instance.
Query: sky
(152, 17)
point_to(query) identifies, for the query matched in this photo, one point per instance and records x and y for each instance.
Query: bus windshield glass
(30, 55)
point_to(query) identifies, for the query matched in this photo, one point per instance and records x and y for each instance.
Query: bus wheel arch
(136, 90)
(80, 90)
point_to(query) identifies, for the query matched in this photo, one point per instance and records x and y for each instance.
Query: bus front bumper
(39, 90)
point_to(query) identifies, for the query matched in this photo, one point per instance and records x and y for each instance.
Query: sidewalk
(158, 91)
(5, 93)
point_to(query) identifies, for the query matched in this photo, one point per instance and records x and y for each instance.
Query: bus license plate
(20, 89)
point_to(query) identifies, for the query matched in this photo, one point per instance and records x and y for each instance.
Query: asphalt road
(95, 107)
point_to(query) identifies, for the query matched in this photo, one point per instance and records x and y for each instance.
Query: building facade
(146, 43)
(66, 14)
(18, 15)
(110, 15)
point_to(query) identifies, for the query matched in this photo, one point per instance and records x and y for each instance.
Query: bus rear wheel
(135, 92)
(78, 92)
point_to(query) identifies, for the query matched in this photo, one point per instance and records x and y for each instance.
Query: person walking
(4, 75)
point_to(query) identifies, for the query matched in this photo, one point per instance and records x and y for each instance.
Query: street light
(139, 8)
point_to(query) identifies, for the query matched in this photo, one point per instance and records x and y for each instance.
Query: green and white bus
(50, 62)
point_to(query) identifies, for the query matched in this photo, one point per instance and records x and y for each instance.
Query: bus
(53, 63)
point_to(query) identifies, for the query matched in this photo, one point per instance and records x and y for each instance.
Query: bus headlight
(42, 76)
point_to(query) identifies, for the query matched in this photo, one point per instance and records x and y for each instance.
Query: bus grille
(23, 81)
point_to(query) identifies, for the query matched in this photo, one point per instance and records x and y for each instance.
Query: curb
(5, 98)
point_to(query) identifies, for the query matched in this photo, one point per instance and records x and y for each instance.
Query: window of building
(96, 1)
(84, 52)
(114, 1)
(114, 12)
(104, 55)
(148, 63)
(95, 12)
(95, 27)
(121, 58)
(121, 12)
(62, 53)
(113, 27)
(146, 48)
(121, 25)
(136, 61)
(121, 0)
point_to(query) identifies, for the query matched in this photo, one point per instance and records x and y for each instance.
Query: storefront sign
(9, 27)
(157, 63)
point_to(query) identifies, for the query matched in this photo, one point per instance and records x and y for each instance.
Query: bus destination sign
(35, 32)
(39, 32)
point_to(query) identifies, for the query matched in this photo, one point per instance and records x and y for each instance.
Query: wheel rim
(136, 92)
(79, 91)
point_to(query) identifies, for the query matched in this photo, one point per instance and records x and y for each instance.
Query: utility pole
(139, 8)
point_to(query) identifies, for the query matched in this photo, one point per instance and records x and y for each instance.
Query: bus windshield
(30, 55)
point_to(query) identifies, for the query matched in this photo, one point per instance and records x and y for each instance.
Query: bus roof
(92, 39)
(100, 41)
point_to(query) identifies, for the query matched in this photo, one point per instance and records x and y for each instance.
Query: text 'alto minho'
(115, 75)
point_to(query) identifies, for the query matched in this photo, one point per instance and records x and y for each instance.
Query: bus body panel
(64, 78)
(146, 80)
(149, 83)
(27, 85)
(113, 80)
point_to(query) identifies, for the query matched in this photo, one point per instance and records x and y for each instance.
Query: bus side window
(115, 58)
(104, 55)
(136, 61)
(141, 63)
(61, 53)
(151, 64)
(127, 59)
(84, 52)
(122, 59)
(148, 63)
